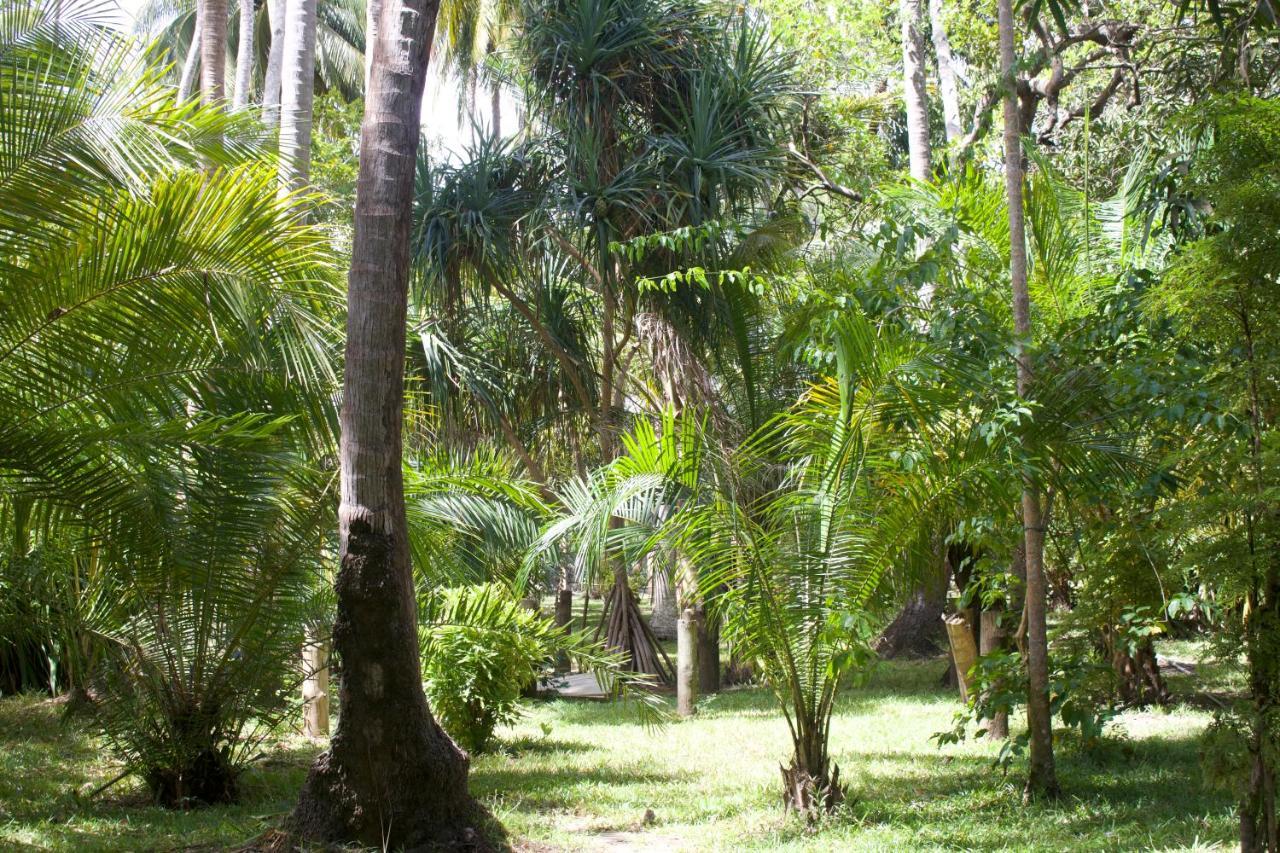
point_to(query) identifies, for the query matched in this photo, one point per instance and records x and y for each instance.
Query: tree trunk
(991, 638)
(665, 612)
(275, 65)
(244, 57)
(191, 65)
(213, 51)
(916, 630)
(1042, 778)
(687, 662)
(298, 71)
(947, 91)
(495, 109)
(391, 777)
(564, 618)
(708, 652)
(913, 84)
(964, 653)
(315, 686)
(372, 14)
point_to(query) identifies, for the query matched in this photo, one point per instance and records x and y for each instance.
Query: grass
(581, 775)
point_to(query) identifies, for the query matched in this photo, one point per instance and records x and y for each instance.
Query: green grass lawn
(580, 776)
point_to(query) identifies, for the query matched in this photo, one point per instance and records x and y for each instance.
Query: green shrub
(481, 648)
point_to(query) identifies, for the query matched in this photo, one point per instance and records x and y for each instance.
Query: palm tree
(106, 219)
(213, 50)
(391, 775)
(679, 138)
(913, 86)
(297, 94)
(244, 57)
(1041, 779)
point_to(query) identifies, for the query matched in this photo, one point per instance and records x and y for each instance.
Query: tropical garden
(770, 425)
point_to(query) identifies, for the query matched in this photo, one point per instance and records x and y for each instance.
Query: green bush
(480, 648)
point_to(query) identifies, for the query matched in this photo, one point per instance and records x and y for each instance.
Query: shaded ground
(576, 775)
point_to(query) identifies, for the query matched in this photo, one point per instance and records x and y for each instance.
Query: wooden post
(963, 650)
(687, 662)
(315, 686)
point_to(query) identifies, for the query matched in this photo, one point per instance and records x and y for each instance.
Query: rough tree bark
(391, 777)
(1041, 778)
(213, 51)
(913, 85)
(275, 65)
(244, 57)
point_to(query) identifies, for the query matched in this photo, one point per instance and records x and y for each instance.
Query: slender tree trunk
(665, 612)
(1042, 778)
(391, 777)
(687, 662)
(244, 57)
(495, 109)
(947, 91)
(315, 685)
(708, 651)
(298, 71)
(913, 84)
(275, 65)
(213, 51)
(191, 65)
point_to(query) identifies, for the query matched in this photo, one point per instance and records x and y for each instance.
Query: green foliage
(481, 649)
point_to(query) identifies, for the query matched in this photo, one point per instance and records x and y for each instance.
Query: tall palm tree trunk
(275, 65)
(244, 57)
(391, 777)
(914, 95)
(213, 51)
(298, 72)
(191, 64)
(947, 91)
(1042, 778)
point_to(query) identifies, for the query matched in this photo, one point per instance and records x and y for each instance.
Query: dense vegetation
(763, 344)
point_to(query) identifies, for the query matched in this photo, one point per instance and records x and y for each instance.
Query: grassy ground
(581, 775)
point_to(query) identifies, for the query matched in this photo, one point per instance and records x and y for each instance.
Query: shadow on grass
(1139, 794)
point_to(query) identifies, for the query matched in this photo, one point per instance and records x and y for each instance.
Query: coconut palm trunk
(391, 777)
(213, 51)
(297, 94)
(244, 57)
(275, 63)
(914, 95)
(191, 64)
(1041, 778)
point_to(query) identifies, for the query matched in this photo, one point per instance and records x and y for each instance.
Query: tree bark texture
(913, 84)
(213, 51)
(991, 639)
(964, 652)
(665, 612)
(273, 73)
(297, 94)
(244, 57)
(948, 93)
(315, 686)
(708, 652)
(687, 662)
(391, 778)
(191, 65)
(1042, 777)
